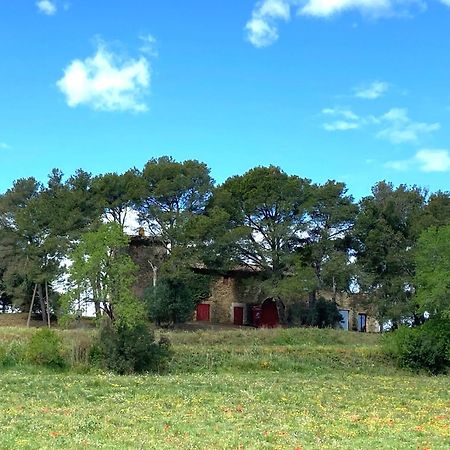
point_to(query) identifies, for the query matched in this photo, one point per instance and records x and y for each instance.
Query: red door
(269, 314)
(203, 312)
(238, 315)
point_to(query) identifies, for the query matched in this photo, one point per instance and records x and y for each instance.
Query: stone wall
(146, 253)
(232, 289)
(228, 291)
(355, 304)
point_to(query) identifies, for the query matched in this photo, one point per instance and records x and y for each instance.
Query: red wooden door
(238, 315)
(269, 314)
(203, 312)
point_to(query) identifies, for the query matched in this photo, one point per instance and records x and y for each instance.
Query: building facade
(232, 303)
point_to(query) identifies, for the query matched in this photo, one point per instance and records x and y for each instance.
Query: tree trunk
(42, 303)
(98, 311)
(312, 299)
(47, 304)
(31, 306)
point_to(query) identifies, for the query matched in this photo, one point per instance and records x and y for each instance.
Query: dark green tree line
(298, 237)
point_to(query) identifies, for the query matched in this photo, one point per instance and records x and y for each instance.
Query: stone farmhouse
(233, 302)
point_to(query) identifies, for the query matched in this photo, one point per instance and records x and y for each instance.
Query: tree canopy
(298, 237)
(432, 257)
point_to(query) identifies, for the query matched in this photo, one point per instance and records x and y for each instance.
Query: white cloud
(345, 119)
(346, 113)
(372, 91)
(446, 2)
(46, 7)
(106, 82)
(262, 28)
(326, 8)
(340, 125)
(399, 128)
(402, 166)
(148, 45)
(4, 146)
(394, 126)
(426, 160)
(433, 160)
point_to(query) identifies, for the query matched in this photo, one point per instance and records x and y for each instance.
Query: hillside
(251, 389)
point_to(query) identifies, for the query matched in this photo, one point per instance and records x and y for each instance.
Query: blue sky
(352, 90)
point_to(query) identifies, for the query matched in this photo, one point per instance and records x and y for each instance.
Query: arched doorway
(269, 314)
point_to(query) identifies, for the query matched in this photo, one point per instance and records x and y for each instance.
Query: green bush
(127, 349)
(78, 344)
(424, 347)
(322, 314)
(45, 348)
(174, 298)
(12, 353)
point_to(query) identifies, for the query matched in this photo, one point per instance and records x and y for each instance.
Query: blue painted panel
(344, 322)
(362, 322)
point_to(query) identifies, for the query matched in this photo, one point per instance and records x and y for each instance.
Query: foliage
(37, 226)
(116, 194)
(321, 313)
(386, 231)
(26, 252)
(327, 244)
(423, 347)
(103, 273)
(174, 298)
(269, 207)
(300, 237)
(433, 271)
(437, 211)
(45, 348)
(12, 353)
(173, 193)
(125, 348)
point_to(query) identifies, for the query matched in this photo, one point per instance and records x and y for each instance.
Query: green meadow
(230, 389)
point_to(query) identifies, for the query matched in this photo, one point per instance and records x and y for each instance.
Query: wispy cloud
(46, 7)
(148, 46)
(433, 160)
(426, 160)
(399, 128)
(343, 119)
(374, 8)
(394, 126)
(107, 82)
(262, 28)
(372, 91)
(4, 146)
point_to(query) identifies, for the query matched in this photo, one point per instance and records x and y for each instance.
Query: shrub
(129, 348)
(45, 348)
(174, 298)
(78, 344)
(12, 353)
(423, 347)
(322, 314)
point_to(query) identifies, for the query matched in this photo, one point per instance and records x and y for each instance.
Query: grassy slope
(231, 389)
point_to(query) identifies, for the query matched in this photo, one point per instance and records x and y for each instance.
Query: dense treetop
(297, 235)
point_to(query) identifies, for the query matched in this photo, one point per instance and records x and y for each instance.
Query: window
(362, 322)
(344, 318)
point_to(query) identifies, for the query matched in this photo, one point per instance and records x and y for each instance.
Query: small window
(362, 322)
(344, 319)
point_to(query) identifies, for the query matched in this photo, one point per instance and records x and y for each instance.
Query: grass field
(251, 389)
